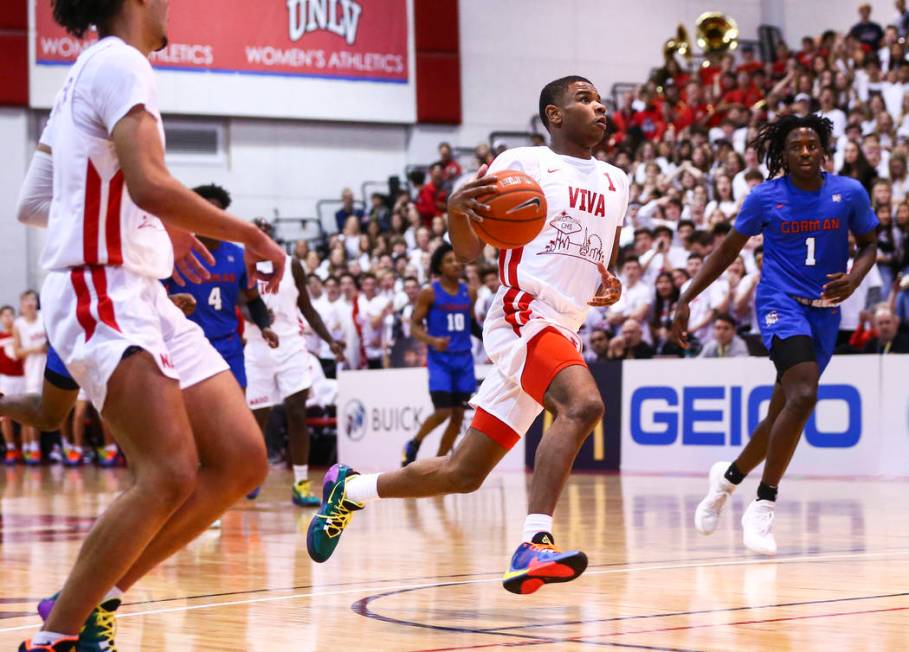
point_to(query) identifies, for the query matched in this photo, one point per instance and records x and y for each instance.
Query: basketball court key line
(405, 587)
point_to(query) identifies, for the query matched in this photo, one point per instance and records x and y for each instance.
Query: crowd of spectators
(683, 138)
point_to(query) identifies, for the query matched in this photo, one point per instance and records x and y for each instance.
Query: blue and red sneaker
(67, 644)
(329, 522)
(540, 562)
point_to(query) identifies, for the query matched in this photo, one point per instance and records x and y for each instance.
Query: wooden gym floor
(424, 575)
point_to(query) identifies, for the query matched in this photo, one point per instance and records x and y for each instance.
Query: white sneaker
(708, 512)
(216, 525)
(757, 527)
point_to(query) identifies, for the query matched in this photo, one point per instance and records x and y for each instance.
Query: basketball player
(12, 380)
(447, 306)
(805, 216)
(531, 336)
(30, 345)
(217, 297)
(281, 375)
(177, 413)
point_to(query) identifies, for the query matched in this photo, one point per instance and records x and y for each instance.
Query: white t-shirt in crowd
(855, 303)
(373, 338)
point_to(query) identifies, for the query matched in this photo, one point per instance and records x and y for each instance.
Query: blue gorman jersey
(805, 233)
(216, 298)
(449, 316)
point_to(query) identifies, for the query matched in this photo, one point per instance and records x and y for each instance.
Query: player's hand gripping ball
(507, 208)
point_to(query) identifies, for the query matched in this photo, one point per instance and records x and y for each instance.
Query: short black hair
(685, 223)
(771, 139)
(695, 255)
(631, 259)
(349, 275)
(435, 260)
(662, 228)
(214, 191)
(726, 317)
(7, 307)
(553, 91)
(78, 16)
(332, 277)
(411, 278)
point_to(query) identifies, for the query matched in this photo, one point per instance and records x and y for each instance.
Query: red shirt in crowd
(452, 170)
(9, 364)
(746, 98)
(651, 122)
(427, 202)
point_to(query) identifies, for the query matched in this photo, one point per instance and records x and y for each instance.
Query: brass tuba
(716, 32)
(681, 44)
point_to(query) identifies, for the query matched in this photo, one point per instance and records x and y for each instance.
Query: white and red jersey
(283, 307)
(10, 365)
(93, 220)
(555, 275)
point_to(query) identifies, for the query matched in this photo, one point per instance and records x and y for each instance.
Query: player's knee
(587, 411)
(175, 480)
(803, 398)
(250, 465)
(443, 413)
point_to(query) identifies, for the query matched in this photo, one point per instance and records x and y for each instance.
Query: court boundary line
(405, 587)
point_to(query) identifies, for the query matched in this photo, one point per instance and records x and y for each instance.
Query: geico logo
(394, 419)
(660, 413)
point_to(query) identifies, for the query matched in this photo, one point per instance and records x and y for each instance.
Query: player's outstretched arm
(310, 314)
(155, 190)
(463, 206)
(716, 264)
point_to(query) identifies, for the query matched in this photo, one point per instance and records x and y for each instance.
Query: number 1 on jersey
(810, 261)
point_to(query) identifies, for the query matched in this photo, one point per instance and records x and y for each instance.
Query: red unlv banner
(354, 40)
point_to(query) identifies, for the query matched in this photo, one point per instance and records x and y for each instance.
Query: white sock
(301, 472)
(113, 594)
(361, 488)
(536, 523)
(111, 448)
(48, 638)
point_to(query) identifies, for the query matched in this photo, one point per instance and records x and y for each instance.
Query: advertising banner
(895, 415)
(602, 450)
(683, 415)
(325, 59)
(379, 411)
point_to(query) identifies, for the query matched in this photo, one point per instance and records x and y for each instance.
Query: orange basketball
(517, 211)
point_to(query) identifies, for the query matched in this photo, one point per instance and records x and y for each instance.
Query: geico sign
(675, 412)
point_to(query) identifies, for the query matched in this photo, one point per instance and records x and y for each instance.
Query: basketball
(517, 211)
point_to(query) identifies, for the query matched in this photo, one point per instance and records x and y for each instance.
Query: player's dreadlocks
(771, 139)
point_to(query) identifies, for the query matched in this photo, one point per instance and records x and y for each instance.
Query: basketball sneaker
(757, 527)
(411, 448)
(98, 633)
(541, 562)
(32, 458)
(252, 495)
(329, 522)
(72, 458)
(708, 511)
(12, 457)
(302, 496)
(107, 459)
(67, 644)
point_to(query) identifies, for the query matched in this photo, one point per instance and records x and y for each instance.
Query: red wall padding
(14, 14)
(14, 52)
(438, 47)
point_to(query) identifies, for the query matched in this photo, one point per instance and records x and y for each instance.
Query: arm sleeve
(37, 191)
(750, 220)
(127, 81)
(861, 218)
